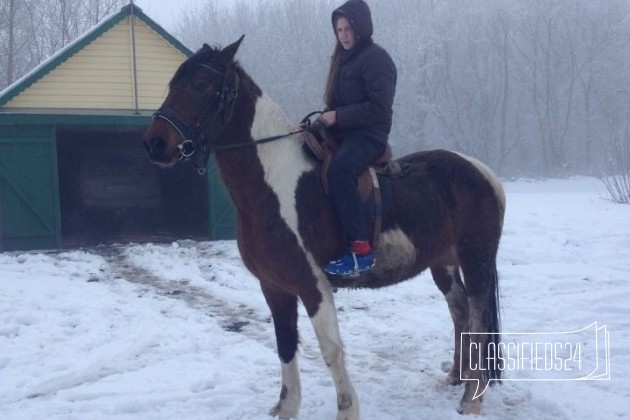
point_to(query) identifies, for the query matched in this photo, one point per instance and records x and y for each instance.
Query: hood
(358, 14)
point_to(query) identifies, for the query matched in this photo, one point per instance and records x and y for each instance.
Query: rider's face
(345, 33)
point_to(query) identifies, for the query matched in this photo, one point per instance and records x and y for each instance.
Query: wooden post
(134, 68)
(1, 224)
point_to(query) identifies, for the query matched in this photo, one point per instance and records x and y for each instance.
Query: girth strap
(378, 208)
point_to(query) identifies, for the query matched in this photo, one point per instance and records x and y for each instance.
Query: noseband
(187, 147)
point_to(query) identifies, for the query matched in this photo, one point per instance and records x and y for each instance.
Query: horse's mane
(204, 55)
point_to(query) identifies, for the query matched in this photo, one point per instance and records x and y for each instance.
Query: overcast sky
(165, 12)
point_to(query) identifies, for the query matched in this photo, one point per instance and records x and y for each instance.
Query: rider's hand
(328, 118)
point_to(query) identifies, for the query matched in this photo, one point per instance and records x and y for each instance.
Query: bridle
(193, 134)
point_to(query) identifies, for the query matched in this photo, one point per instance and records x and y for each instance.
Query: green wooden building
(72, 170)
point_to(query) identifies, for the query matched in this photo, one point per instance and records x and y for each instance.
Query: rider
(359, 97)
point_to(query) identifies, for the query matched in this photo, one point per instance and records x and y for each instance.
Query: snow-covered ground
(181, 331)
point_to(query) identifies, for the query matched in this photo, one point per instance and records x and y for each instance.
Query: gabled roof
(96, 70)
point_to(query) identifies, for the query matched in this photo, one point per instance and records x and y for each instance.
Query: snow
(181, 330)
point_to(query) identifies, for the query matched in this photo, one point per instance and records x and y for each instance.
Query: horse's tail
(493, 324)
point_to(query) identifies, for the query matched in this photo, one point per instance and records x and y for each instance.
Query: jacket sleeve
(379, 75)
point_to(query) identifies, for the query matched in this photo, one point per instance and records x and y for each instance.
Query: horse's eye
(200, 86)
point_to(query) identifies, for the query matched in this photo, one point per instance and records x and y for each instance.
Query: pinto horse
(446, 215)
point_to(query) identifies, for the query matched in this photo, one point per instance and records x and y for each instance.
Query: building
(72, 170)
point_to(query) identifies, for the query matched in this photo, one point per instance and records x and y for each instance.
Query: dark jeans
(351, 158)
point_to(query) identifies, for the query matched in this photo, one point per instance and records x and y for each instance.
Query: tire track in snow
(238, 319)
(230, 316)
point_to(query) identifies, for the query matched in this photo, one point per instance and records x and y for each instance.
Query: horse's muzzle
(156, 148)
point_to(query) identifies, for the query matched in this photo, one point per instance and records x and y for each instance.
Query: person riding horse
(446, 215)
(359, 97)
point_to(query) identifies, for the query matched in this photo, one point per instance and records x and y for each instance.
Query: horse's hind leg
(449, 281)
(284, 312)
(323, 314)
(479, 267)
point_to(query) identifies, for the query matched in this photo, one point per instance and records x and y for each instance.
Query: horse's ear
(227, 54)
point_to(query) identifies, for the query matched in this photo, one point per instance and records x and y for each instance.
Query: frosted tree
(33, 30)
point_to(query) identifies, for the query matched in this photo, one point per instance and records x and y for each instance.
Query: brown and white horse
(447, 215)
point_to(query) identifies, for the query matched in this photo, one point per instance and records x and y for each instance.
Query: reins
(192, 136)
(255, 142)
(306, 120)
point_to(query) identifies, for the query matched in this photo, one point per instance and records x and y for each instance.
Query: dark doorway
(110, 192)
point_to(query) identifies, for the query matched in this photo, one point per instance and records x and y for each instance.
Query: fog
(531, 87)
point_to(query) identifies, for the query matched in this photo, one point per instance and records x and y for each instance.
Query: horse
(446, 215)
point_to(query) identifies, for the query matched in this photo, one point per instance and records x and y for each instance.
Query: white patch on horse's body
(491, 177)
(395, 250)
(326, 327)
(283, 161)
(283, 164)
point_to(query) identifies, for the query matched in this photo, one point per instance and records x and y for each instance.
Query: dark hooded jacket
(366, 82)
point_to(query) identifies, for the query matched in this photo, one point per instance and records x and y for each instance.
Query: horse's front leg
(284, 312)
(323, 314)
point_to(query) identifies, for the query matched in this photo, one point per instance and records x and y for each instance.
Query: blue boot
(350, 264)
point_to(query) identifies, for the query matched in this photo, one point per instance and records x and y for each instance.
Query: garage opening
(110, 192)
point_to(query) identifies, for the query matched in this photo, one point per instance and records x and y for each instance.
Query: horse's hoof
(470, 407)
(453, 378)
(282, 412)
(453, 381)
(348, 415)
(348, 408)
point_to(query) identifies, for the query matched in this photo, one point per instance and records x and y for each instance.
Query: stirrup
(350, 265)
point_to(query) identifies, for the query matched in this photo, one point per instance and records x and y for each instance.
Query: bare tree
(524, 85)
(606, 35)
(470, 85)
(287, 44)
(96, 10)
(517, 84)
(9, 36)
(33, 30)
(11, 28)
(616, 176)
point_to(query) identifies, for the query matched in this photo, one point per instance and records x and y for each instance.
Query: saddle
(321, 145)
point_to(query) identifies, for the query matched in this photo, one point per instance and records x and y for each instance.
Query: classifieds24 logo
(580, 355)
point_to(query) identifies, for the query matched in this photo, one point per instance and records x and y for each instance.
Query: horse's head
(198, 108)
